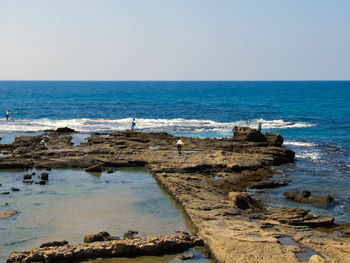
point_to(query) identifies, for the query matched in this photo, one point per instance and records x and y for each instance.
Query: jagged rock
(44, 176)
(65, 130)
(7, 213)
(150, 246)
(243, 201)
(248, 134)
(54, 244)
(95, 168)
(298, 217)
(306, 198)
(274, 139)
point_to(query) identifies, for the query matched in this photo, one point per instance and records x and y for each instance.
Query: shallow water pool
(74, 203)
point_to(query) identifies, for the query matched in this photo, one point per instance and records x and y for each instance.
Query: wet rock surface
(208, 180)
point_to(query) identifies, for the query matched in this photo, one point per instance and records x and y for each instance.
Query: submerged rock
(186, 256)
(28, 181)
(269, 184)
(95, 168)
(8, 213)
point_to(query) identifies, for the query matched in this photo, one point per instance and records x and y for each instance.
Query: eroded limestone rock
(156, 245)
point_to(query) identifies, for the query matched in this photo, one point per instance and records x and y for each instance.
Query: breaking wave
(168, 125)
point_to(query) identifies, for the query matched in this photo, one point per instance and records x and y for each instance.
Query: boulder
(102, 236)
(248, 134)
(44, 176)
(243, 201)
(27, 176)
(306, 198)
(95, 168)
(65, 130)
(274, 139)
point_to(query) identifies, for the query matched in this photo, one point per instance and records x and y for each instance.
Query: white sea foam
(308, 155)
(169, 125)
(300, 144)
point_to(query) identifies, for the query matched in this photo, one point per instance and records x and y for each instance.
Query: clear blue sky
(174, 40)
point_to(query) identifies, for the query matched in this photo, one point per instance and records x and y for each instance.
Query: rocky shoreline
(208, 180)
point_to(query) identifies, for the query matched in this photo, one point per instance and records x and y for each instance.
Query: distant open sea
(312, 116)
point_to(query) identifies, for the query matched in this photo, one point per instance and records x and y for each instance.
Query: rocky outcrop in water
(156, 245)
(65, 130)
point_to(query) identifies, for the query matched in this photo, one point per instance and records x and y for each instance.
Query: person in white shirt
(7, 114)
(133, 123)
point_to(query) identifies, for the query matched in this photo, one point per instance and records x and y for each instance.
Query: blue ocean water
(312, 116)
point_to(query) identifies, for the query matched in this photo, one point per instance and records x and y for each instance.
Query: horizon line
(273, 80)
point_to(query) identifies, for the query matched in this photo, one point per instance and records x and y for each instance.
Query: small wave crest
(300, 144)
(168, 125)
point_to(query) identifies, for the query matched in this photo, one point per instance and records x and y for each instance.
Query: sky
(174, 40)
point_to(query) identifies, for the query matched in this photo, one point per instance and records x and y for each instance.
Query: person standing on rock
(179, 145)
(133, 123)
(259, 127)
(7, 114)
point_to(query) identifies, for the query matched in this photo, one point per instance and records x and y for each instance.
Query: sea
(312, 116)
